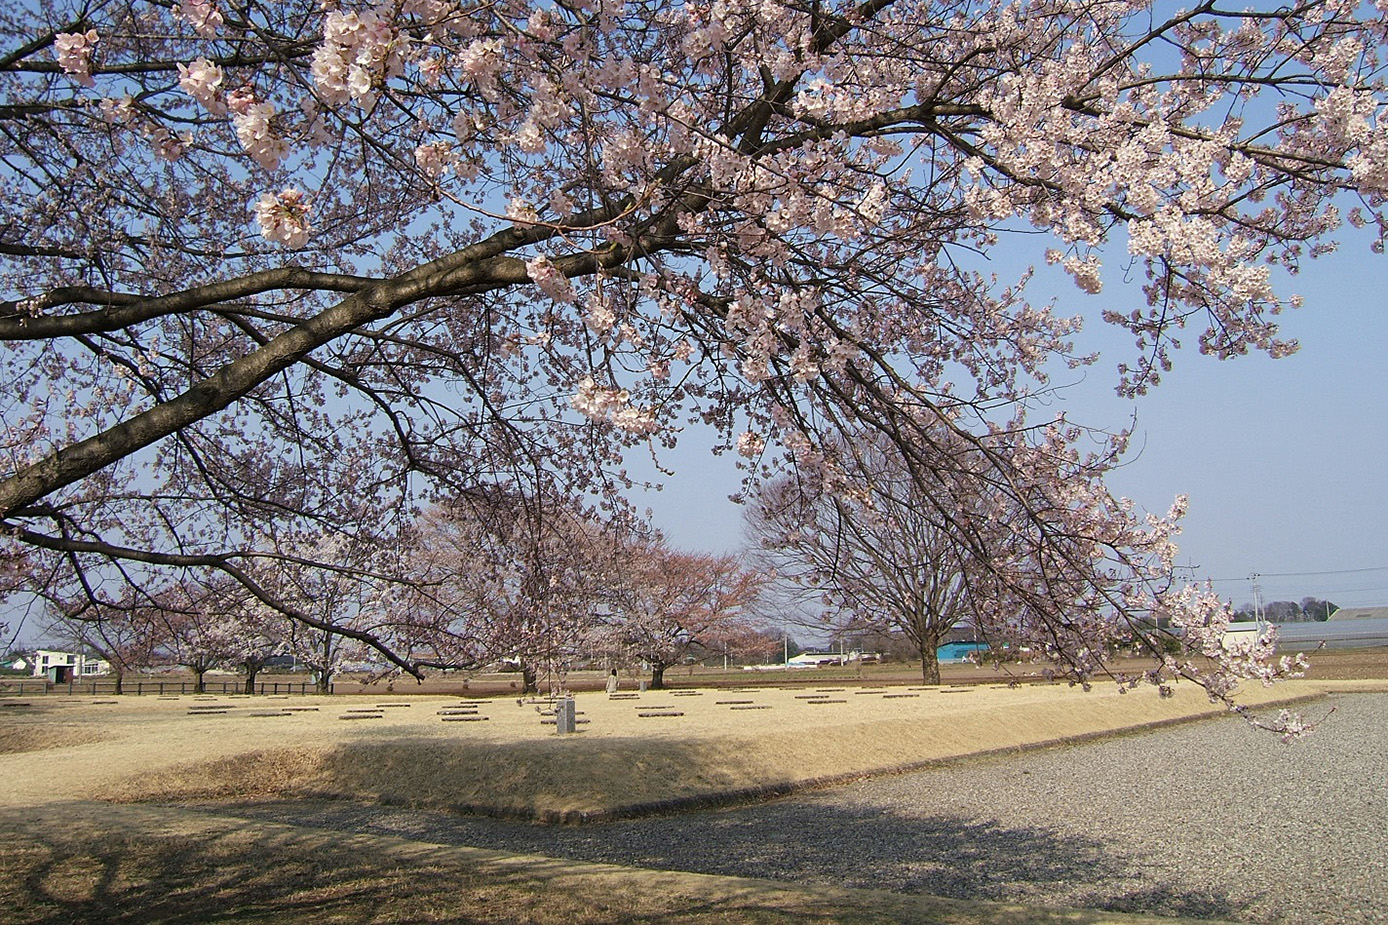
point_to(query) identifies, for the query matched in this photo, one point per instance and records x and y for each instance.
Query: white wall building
(76, 664)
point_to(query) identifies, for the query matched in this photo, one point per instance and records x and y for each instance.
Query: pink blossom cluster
(253, 121)
(600, 317)
(74, 53)
(550, 279)
(360, 52)
(204, 16)
(435, 159)
(283, 217)
(482, 62)
(119, 111)
(202, 80)
(168, 146)
(750, 444)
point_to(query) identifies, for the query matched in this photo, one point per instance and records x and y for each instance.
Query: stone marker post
(565, 716)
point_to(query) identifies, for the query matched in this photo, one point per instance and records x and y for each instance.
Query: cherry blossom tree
(196, 641)
(879, 556)
(126, 633)
(261, 258)
(751, 644)
(499, 576)
(255, 634)
(462, 579)
(322, 651)
(341, 589)
(219, 624)
(665, 602)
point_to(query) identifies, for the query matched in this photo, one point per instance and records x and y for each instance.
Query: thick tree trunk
(657, 677)
(199, 681)
(325, 676)
(529, 679)
(120, 682)
(930, 661)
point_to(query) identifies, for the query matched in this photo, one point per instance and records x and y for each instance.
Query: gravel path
(1212, 819)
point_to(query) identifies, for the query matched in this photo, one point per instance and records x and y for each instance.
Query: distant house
(19, 663)
(60, 667)
(1360, 613)
(1245, 632)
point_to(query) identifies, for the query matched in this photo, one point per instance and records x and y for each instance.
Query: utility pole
(1257, 603)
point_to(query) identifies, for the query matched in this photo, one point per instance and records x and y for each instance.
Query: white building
(822, 659)
(73, 664)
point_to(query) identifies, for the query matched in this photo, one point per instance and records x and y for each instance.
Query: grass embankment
(697, 749)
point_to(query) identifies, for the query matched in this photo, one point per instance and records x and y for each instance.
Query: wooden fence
(144, 686)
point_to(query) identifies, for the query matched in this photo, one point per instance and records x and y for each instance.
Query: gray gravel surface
(1213, 819)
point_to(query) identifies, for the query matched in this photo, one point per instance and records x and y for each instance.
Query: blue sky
(1283, 460)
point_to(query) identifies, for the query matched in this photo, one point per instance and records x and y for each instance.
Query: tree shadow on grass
(97, 863)
(420, 789)
(802, 842)
(66, 863)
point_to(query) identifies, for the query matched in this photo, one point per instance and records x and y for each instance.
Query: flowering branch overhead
(269, 266)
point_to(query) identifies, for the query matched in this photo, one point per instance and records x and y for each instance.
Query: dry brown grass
(622, 764)
(64, 859)
(19, 739)
(21, 735)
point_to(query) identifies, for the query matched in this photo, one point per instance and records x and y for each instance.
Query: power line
(1343, 571)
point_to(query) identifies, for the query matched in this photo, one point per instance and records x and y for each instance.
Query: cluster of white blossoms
(599, 403)
(600, 318)
(74, 53)
(202, 80)
(360, 51)
(435, 159)
(750, 444)
(166, 145)
(284, 217)
(253, 121)
(117, 110)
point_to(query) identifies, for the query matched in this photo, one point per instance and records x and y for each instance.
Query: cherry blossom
(360, 51)
(206, 19)
(550, 279)
(283, 217)
(255, 130)
(202, 80)
(74, 52)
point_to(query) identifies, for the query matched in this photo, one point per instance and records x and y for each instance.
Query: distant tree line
(1309, 610)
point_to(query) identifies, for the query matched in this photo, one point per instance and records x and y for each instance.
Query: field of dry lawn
(93, 795)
